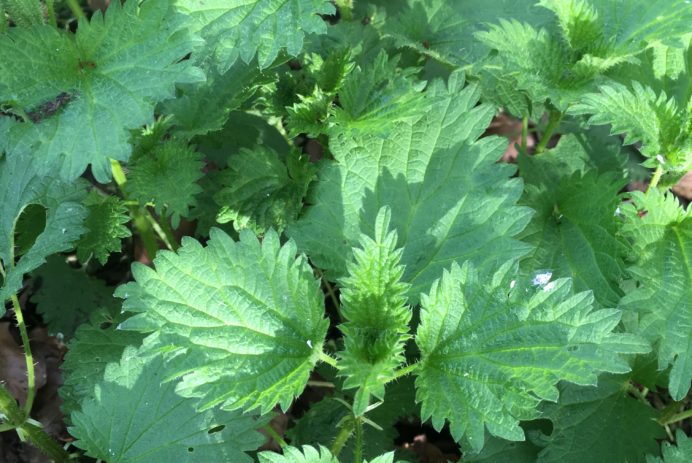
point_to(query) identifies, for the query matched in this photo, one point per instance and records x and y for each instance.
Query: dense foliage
(298, 195)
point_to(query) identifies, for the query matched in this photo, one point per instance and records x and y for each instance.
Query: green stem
(139, 216)
(325, 384)
(554, 120)
(169, 241)
(658, 173)
(31, 378)
(168, 231)
(405, 371)
(634, 390)
(677, 417)
(358, 450)
(326, 358)
(275, 435)
(76, 9)
(38, 437)
(341, 438)
(524, 134)
(50, 9)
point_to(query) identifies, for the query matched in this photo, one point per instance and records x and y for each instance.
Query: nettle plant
(306, 197)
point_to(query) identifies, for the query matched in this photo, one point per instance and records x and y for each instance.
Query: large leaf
(600, 424)
(134, 415)
(236, 29)
(661, 232)
(247, 318)
(492, 349)
(65, 297)
(574, 229)
(90, 351)
(20, 187)
(373, 302)
(295, 455)
(81, 93)
(448, 197)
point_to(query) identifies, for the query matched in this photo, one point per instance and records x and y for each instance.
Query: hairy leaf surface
(449, 199)
(373, 302)
(21, 186)
(662, 239)
(105, 226)
(83, 92)
(492, 350)
(241, 29)
(134, 415)
(247, 318)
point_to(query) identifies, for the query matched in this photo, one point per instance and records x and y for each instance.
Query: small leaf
(105, 226)
(674, 454)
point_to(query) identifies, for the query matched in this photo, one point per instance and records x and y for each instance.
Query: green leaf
(450, 200)
(574, 229)
(638, 113)
(65, 297)
(242, 29)
(600, 424)
(105, 226)
(84, 91)
(444, 30)
(167, 177)
(92, 348)
(135, 415)
(678, 454)
(21, 187)
(294, 455)
(373, 303)
(205, 107)
(661, 233)
(491, 350)
(261, 192)
(247, 319)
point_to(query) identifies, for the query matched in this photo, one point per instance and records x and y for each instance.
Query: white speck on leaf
(541, 278)
(309, 343)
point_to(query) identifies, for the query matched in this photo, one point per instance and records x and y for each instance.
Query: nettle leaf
(167, 177)
(238, 29)
(574, 230)
(492, 350)
(674, 454)
(134, 415)
(450, 200)
(601, 422)
(558, 63)
(81, 93)
(90, 351)
(444, 30)
(261, 191)
(247, 318)
(308, 454)
(662, 239)
(643, 116)
(105, 226)
(21, 187)
(373, 303)
(65, 297)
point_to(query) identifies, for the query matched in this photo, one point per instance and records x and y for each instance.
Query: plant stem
(677, 417)
(168, 231)
(658, 173)
(168, 239)
(405, 371)
(325, 384)
(553, 122)
(139, 219)
(326, 358)
(76, 9)
(31, 379)
(341, 438)
(275, 435)
(50, 9)
(524, 134)
(358, 450)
